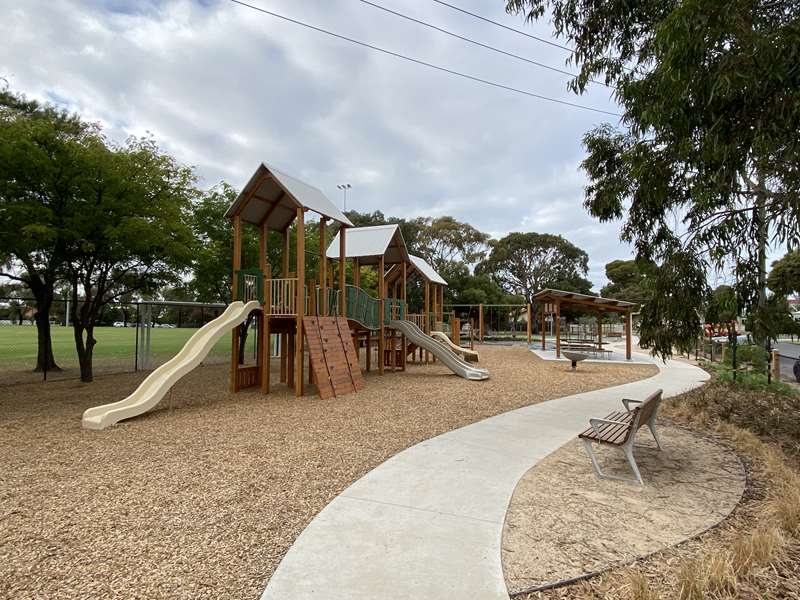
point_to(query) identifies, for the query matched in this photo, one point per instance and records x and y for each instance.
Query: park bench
(619, 429)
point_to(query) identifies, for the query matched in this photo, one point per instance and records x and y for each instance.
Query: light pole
(344, 187)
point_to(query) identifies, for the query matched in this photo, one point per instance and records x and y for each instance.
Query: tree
(211, 263)
(627, 281)
(130, 231)
(525, 263)
(704, 172)
(42, 152)
(443, 241)
(466, 288)
(784, 278)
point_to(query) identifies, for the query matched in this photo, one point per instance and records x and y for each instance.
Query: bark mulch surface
(563, 522)
(202, 497)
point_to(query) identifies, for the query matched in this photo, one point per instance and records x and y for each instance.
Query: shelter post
(557, 318)
(628, 334)
(266, 351)
(404, 348)
(342, 272)
(284, 337)
(323, 269)
(543, 308)
(600, 330)
(300, 301)
(381, 328)
(263, 347)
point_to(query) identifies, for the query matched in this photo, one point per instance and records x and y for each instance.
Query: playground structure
(327, 323)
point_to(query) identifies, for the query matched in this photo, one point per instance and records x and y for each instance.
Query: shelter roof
(272, 197)
(596, 302)
(368, 244)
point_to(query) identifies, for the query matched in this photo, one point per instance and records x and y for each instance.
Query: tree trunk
(85, 349)
(243, 336)
(761, 249)
(44, 356)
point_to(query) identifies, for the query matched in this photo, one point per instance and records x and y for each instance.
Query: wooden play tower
(329, 320)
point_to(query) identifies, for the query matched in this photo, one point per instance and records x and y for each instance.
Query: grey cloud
(224, 87)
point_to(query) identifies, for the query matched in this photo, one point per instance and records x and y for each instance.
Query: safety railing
(282, 296)
(393, 310)
(362, 308)
(418, 319)
(333, 302)
(250, 285)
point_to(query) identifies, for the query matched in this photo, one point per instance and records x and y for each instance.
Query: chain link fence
(131, 336)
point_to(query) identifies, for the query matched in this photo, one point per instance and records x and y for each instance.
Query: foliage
(129, 231)
(444, 241)
(704, 171)
(525, 263)
(784, 278)
(42, 165)
(722, 306)
(749, 357)
(480, 288)
(211, 263)
(627, 281)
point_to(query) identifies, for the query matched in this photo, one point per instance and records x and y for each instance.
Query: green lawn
(18, 344)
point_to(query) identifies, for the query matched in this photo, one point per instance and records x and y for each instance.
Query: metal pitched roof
(426, 269)
(272, 197)
(368, 244)
(551, 295)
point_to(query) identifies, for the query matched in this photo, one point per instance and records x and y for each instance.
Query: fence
(750, 358)
(130, 336)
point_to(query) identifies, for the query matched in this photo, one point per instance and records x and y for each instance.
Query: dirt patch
(202, 498)
(564, 523)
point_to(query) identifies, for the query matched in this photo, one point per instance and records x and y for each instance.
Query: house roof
(368, 244)
(597, 302)
(272, 197)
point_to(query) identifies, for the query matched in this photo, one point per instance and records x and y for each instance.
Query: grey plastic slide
(158, 383)
(415, 335)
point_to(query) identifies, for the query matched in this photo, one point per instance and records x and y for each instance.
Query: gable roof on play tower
(368, 244)
(272, 197)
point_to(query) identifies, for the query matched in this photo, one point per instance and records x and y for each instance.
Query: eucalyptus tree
(703, 166)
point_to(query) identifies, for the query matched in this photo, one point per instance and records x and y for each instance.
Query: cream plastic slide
(469, 355)
(158, 383)
(449, 358)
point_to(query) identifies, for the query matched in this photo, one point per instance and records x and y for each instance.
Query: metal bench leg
(628, 450)
(652, 426)
(590, 451)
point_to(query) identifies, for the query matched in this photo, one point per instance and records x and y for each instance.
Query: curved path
(428, 522)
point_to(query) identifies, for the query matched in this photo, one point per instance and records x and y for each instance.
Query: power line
(423, 63)
(518, 31)
(475, 42)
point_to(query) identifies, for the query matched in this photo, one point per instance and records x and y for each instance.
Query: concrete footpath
(428, 522)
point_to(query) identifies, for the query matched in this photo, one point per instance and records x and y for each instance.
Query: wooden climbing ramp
(334, 363)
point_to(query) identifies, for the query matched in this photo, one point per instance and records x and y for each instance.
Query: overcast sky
(224, 87)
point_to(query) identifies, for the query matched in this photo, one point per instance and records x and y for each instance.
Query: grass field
(18, 344)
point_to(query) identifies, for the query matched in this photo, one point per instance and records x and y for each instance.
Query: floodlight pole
(344, 187)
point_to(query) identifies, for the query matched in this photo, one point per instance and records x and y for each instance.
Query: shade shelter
(382, 247)
(272, 201)
(551, 302)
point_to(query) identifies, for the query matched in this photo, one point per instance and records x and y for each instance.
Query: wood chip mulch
(203, 497)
